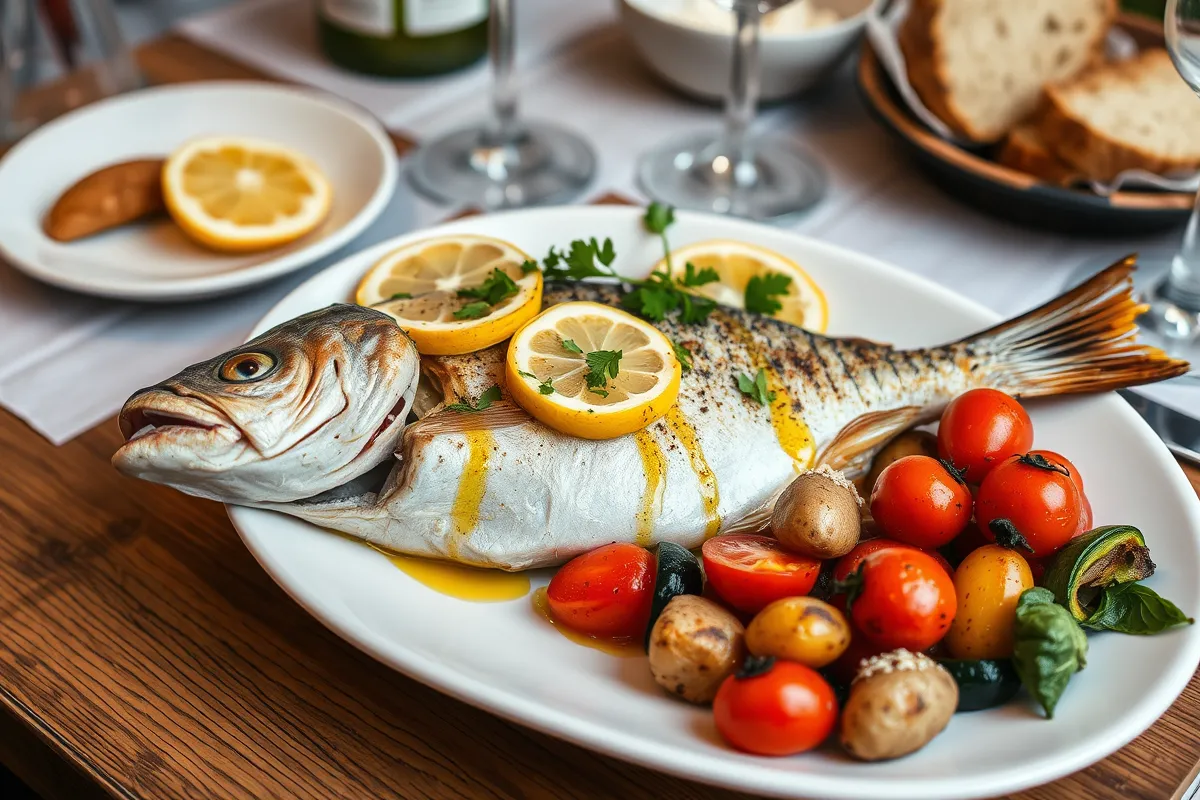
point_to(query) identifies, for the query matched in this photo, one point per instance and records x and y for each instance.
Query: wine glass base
(779, 182)
(543, 164)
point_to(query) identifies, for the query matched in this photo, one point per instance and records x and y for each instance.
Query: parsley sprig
(683, 354)
(755, 388)
(602, 365)
(544, 386)
(497, 288)
(762, 291)
(485, 401)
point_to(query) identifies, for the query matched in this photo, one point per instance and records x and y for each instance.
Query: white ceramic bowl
(697, 61)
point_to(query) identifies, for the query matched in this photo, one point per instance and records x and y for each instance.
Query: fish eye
(246, 367)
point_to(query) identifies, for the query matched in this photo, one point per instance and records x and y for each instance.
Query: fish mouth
(156, 412)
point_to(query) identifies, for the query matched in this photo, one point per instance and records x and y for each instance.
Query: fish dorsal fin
(502, 414)
(865, 434)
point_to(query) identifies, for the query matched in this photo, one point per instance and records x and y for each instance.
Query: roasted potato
(898, 703)
(818, 515)
(802, 629)
(909, 443)
(694, 646)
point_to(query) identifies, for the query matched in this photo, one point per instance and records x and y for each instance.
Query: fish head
(303, 408)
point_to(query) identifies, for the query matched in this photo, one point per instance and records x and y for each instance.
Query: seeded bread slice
(1136, 114)
(1026, 151)
(981, 65)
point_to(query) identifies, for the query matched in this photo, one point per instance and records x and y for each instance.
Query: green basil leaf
(1136, 609)
(1049, 647)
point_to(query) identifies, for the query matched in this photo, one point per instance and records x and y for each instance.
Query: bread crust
(920, 40)
(1094, 153)
(1024, 151)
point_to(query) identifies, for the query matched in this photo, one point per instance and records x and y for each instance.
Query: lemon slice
(239, 194)
(737, 263)
(422, 285)
(550, 359)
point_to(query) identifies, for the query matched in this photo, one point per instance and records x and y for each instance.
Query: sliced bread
(1026, 151)
(981, 65)
(1136, 114)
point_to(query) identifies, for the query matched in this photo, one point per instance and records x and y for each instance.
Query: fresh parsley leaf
(544, 387)
(571, 347)
(401, 296)
(695, 308)
(605, 252)
(496, 288)
(755, 388)
(528, 266)
(579, 261)
(651, 301)
(602, 365)
(473, 310)
(485, 401)
(761, 291)
(658, 218)
(694, 277)
(683, 354)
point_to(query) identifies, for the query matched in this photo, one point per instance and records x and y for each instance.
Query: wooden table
(144, 653)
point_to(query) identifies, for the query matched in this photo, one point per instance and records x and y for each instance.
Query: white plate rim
(746, 775)
(221, 283)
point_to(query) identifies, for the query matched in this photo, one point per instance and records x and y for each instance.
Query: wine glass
(506, 162)
(1173, 321)
(734, 172)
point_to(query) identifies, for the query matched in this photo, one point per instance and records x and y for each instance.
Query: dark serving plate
(1017, 196)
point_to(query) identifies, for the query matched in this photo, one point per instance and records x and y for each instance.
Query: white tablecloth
(67, 362)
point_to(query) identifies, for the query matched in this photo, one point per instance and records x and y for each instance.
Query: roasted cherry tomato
(849, 562)
(749, 572)
(987, 585)
(981, 428)
(1037, 497)
(606, 592)
(904, 599)
(784, 709)
(918, 501)
(1085, 513)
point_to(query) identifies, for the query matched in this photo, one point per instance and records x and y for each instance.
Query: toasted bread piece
(1136, 114)
(981, 65)
(1026, 151)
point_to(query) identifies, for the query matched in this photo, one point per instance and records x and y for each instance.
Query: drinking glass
(75, 41)
(735, 172)
(506, 162)
(1173, 320)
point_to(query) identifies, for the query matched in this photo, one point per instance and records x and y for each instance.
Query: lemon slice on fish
(592, 371)
(454, 294)
(737, 264)
(239, 195)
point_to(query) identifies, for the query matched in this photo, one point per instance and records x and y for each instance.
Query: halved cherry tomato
(1037, 497)
(606, 592)
(905, 599)
(981, 428)
(918, 501)
(1085, 513)
(848, 563)
(787, 709)
(750, 572)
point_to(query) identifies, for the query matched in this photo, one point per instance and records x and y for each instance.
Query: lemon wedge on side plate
(454, 294)
(592, 371)
(240, 195)
(737, 263)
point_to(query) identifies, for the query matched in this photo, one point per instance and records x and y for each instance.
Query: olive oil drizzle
(793, 433)
(654, 464)
(475, 584)
(464, 514)
(710, 495)
(622, 648)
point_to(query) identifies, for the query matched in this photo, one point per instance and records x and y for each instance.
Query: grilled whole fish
(304, 418)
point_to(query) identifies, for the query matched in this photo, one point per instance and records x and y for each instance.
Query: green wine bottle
(403, 38)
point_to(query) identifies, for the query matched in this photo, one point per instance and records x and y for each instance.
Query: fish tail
(1081, 341)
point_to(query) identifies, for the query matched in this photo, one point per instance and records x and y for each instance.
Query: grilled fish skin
(498, 489)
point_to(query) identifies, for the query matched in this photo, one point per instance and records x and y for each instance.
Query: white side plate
(154, 260)
(504, 658)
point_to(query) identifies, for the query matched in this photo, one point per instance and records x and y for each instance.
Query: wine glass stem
(744, 86)
(503, 128)
(1183, 281)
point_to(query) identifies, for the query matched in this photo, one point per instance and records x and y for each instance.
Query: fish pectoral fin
(864, 435)
(501, 414)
